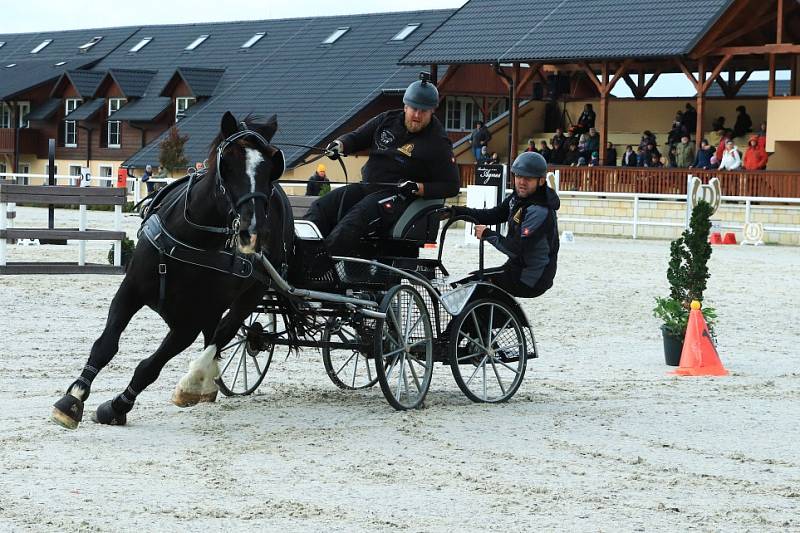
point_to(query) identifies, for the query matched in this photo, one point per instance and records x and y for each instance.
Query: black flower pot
(673, 346)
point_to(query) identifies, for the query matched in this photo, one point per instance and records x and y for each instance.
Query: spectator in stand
(703, 157)
(666, 162)
(593, 141)
(676, 133)
(557, 154)
(318, 182)
(581, 162)
(713, 163)
(718, 124)
(559, 136)
(755, 158)
(684, 153)
(545, 151)
(572, 155)
(494, 159)
(652, 149)
(671, 159)
(595, 160)
(628, 157)
(655, 161)
(762, 136)
(587, 119)
(484, 156)
(611, 155)
(531, 146)
(642, 157)
(583, 141)
(647, 138)
(731, 160)
(689, 119)
(725, 136)
(479, 138)
(744, 123)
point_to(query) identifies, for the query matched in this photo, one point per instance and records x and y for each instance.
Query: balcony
(28, 139)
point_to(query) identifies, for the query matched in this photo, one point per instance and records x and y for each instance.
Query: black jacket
(531, 242)
(628, 159)
(396, 155)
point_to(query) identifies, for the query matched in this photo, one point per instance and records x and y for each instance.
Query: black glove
(446, 212)
(407, 188)
(334, 149)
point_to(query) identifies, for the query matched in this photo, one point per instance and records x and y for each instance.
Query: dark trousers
(508, 279)
(349, 213)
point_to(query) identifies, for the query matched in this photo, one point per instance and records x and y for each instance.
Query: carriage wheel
(488, 351)
(348, 368)
(403, 348)
(246, 359)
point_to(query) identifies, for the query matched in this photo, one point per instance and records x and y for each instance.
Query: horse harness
(226, 260)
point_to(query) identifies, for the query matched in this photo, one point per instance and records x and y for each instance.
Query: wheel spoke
(408, 318)
(482, 363)
(234, 345)
(391, 367)
(401, 374)
(499, 331)
(497, 375)
(411, 330)
(255, 363)
(396, 323)
(236, 375)
(345, 363)
(473, 341)
(355, 370)
(477, 328)
(244, 368)
(489, 325)
(507, 366)
(470, 356)
(231, 358)
(414, 375)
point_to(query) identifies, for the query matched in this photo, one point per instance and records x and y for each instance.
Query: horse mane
(255, 122)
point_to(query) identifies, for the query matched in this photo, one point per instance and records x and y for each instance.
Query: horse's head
(245, 164)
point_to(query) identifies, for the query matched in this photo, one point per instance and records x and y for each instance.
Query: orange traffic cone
(716, 238)
(699, 356)
(729, 238)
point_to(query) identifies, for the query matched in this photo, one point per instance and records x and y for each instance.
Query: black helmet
(422, 94)
(530, 165)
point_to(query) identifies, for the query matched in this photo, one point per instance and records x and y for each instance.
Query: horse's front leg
(68, 411)
(114, 412)
(199, 383)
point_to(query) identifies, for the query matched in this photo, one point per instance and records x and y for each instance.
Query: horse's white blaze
(254, 158)
(202, 373)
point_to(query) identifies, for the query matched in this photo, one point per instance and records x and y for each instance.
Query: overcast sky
(39, 15)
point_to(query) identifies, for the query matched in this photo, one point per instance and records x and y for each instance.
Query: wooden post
(779, 30)
(701, 101)
(514, 113)
(771, 89)
(603, 114)
(435, 74)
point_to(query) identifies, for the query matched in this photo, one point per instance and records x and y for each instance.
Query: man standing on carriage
(409, 152)
(531, 243)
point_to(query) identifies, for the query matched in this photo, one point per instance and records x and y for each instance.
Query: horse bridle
(233, 203)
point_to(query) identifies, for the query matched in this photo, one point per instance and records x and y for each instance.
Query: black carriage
(386, 319)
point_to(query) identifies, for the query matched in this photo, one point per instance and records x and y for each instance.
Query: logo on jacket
(526, 232)
(385, 138)
(406, 149)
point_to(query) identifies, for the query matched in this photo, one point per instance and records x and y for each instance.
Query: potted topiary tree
(687, 275)
(127, 252)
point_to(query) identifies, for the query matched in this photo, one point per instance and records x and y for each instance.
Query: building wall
(782, 114)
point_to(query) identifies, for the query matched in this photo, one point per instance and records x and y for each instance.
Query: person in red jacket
(755, 158)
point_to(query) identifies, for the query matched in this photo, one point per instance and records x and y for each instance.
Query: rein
(322, 153)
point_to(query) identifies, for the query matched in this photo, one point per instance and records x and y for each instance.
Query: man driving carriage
(407, 147)
(531, 242)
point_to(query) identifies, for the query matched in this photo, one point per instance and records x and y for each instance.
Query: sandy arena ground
(599, 437)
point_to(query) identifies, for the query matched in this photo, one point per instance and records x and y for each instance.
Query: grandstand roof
(506, 31)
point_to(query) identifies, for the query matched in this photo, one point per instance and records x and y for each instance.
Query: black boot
(106, 414)
(68, 411)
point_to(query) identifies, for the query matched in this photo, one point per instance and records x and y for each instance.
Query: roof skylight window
(60, 63)
(2, 44)
(405, 32)
(197, 42)
(333, 37)
(141, 44)
(11, 65)
(91, 43)
(254, 39)
(41, 46)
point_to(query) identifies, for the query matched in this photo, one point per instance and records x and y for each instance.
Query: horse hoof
(182, 398)
(105, 414)
(67, 412)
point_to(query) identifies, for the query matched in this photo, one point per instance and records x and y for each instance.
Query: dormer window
(141, 44)
(94, 41)
(181, 105)
(405, 32)
(41, 46)
(333, 37)
(197, 42)
(254, 39)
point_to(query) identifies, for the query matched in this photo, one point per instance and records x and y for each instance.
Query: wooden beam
(451, 71)
(623, 68)
(710, 39)
(756, 50)
(754, 21)
(649, 84)
(714, 73)
(771, 89)
(591, 75)
(700, 103)
(740, 83)
(697, 84)
(723, 85)
(779, 30)
(631, 85)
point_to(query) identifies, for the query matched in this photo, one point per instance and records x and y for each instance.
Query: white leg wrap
(197, 385)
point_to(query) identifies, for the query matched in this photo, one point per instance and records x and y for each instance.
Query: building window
(197, 42)
(24, 168)
(41, 46)
(3, 168)
(497, 108)
(461, 113)
(405, 32)
(47, 170)
(94, 41)
(106, 171)
(70, 127)
(141, 44)
(75, 172)
(181, 105)
(5, 116)
(114, 126)
(254, 39)
(333, 37)
(23, 108)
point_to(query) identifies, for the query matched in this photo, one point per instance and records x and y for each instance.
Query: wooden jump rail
(758, 183)
(57, 195)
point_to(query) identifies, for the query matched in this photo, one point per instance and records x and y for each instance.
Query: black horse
(185, 267)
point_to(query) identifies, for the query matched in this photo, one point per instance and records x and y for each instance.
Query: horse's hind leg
(68, 411)
(114, 412)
